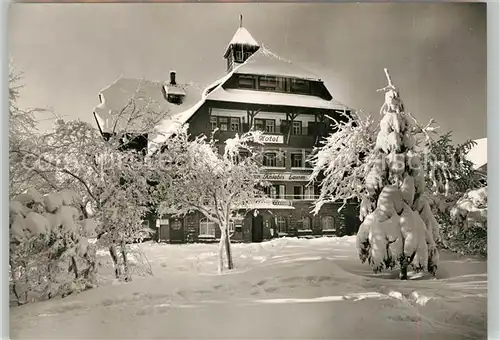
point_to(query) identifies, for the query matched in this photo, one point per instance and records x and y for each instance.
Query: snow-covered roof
(479, 153)
(265, 62)
(173, 122)
(170, 125)
(242, 37)
(129, 104)
(273, 98)
(174, 89)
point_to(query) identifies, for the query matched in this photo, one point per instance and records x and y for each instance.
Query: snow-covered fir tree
(398, 225)
(381, 168)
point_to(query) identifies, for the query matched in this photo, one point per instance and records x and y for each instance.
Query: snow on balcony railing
(292, 198)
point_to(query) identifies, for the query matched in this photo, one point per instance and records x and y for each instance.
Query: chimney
(172, 78)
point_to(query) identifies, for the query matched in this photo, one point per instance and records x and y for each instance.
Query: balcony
(290, 199)
(283, 202)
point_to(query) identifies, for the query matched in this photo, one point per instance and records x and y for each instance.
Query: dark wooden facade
(297, 222)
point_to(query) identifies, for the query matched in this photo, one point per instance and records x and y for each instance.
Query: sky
(435, 52)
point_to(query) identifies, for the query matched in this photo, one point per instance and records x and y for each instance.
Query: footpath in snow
(285, 288)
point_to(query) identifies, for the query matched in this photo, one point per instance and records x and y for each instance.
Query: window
(296, 128)
(296, 160)
(213, 122)
(247, 55)
(306, 223)
(223, 123)
(176, 225)
(174, 99)
(268, 83)
(308, 161)
(282, 191)
(238, 56)
(327, 223)
(309, 193)
(274, 192)
(300, 86)
(281, 222)
(207, 228)
(298, 192)
(231, 226)
(269, 159)
(259, 124)
(267, 125)
(235, 124)
(243, 155)
(246, 82)
(270, 125)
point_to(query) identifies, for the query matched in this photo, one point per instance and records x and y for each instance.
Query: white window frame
(238, 57)
(292, 159)
(226, 123)
(296, 127)
(207, 228)
(281, 224)
(309, 192)
(306, 226)
(270, 125)
(282, 191)
(234, 122)
(266, 158)
(213, 122)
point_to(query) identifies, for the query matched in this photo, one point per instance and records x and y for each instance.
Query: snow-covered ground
(286, 288)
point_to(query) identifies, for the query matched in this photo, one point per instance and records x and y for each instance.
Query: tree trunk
(90, 273)
(74, 266)
(221, 252)
(228, 250)
(128, 278)
(403, 272)
(114, 257)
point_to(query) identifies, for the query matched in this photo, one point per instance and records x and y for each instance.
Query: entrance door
(176, 231)
(257, 228)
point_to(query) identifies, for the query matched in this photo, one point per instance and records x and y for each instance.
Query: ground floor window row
(326, 223)
(281, 225)
(298, 192)
(208, 228)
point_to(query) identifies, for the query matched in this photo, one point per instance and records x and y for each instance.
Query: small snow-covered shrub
(458, 200)
(466, 230)
(49, 250)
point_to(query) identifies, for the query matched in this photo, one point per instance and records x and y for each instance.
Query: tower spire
(241, 20)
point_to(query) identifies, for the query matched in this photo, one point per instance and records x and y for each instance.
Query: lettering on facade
(271, 139)
(285, 177)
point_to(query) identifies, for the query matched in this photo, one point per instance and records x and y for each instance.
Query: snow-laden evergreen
(382, 169)
(399, 226)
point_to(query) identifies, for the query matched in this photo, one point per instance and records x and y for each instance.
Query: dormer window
(238, 57)
(300, 86)
(246, 82)
(174, 99)
(174, 94)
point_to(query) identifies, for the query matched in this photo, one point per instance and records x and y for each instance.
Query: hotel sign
(285, 176)
(271, 139)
